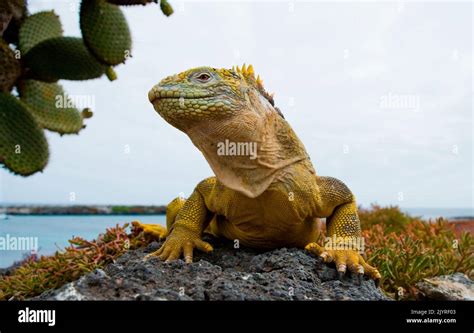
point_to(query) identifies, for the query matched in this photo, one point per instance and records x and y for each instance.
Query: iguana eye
(203, 77)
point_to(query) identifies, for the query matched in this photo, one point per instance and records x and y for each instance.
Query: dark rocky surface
(454, 287)
(224, 274)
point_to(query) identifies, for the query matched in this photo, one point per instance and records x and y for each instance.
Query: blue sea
(51, 232)
(432, 213)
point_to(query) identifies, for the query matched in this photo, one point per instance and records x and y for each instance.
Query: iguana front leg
(157, 231)
(185, 233)
(343, 242)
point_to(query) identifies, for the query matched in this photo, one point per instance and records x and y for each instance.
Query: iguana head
(204, 93)
(233, 121)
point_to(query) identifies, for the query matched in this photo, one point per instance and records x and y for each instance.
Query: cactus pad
(62, 58)
(37, 28)
(105, 31)
(52, 108)
(23, 145)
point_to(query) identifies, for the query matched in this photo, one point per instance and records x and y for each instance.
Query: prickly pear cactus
(34, 55)
(37, 28)
(52, 108)
(105, 31)
(23, 146)
(73, 62)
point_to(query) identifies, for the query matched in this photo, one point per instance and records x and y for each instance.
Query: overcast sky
(339, 72)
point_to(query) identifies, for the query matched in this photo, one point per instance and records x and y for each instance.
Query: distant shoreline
(84, 214)
(82, 210)
(131, 210)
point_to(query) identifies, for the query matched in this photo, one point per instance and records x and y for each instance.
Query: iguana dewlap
(265, 192)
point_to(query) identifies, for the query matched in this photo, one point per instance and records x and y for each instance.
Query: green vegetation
(36, 275)
(34, 55)
(105, 31)
(120, 210)
(405, 249)
(24, 147)
(391, 217)
(42, 98)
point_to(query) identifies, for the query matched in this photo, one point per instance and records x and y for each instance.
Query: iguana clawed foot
(180, 243)
(154, 230)
(345, 259)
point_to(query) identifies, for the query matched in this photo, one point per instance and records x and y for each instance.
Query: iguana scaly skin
(267, 200)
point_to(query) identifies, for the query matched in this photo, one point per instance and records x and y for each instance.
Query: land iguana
(268, 200)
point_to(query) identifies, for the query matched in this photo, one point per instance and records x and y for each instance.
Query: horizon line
(6, 204)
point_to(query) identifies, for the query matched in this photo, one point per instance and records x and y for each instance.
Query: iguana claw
(359, 278)
(340, 275)
(344, 259)
(180, 243)
(154, 230)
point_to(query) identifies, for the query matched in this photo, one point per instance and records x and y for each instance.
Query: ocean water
(432, 213)
(52, 232)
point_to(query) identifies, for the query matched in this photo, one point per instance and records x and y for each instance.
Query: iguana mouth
(155, 95)
(182, 97)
